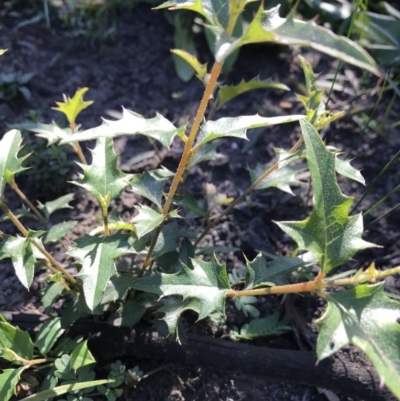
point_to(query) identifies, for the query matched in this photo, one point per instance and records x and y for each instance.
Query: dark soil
(136, 71)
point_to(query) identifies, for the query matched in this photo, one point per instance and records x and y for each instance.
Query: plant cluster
(125, 268)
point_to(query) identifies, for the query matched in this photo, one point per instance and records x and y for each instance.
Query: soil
(136, 70)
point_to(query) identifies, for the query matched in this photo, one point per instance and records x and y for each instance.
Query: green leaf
(260, 273)
(51, 132)
(329, 232)
(58, 231)
(72, 107)
(9, 378)
(117, 288)
(208, 282)
(228, 92)
(10, 163)
(263, 327)
(366, 317)
(147, 186)
(60, 203)
(268, 26)
(14, 343)
(172, 309)
(131, 123)
(183, 39)
(102, 178)
(52, 292)
(237, 126)
(280, 178)
(22, 257)
(97, 258)
(148, 219)
(208, 152)
(215, 11)
(81, 356)
(344, 168)
(200, 69)
(193, 207)
(66, 388)
(128, 314)
(48, 335)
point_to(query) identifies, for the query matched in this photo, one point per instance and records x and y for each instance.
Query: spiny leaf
(60, 203)
(172, 309)
(268, 26)
(147, 186)
(10, 163)
(72, 107)
(148, 219)
(102, 178)
(15, 343)
(237, 126)
(193, 207)
(9, 378)
(21, 254)
(131, 123)
(228, 92)
(200, 69)
(51, 132)
(260, 273)
(343, 167)
(215, 11)
(366, 317)
(280, 178)
(208, 282)
(97, 258)
(329, 233)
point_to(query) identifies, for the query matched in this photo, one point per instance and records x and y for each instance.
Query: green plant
(117, 278)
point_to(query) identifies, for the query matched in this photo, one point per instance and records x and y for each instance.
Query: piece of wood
(338, 373)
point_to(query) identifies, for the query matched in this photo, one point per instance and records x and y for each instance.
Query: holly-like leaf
(58, 231)
(228, 92)
(10, 163)
(9, 378)
(148, 219)
(260, 273)
(208, 282)
(366, 317)
(102, 178)
(72, 107)
(148, 186)
(22, 257)
(172, 309)
(268, 26)
(15, 343)
(193, 207)
(97, 258)
(329, 232)
(131, 123)
(343, 167)
(238, 126)
(51, 132)
(200, 69)
(280, 178)
(60, 203)
(215, 11)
